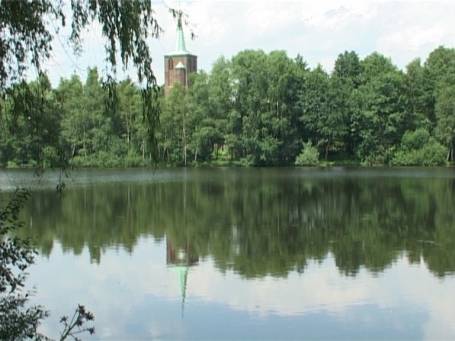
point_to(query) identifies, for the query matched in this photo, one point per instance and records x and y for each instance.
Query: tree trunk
(128, 134)
(184, 146)
(184, 154)
(83, 144)
(184, 140)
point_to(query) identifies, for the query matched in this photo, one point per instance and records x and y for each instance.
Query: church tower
(179, 64)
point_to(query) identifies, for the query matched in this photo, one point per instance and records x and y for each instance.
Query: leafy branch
(76, 326)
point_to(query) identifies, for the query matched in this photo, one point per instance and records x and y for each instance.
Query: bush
(50, 157)
(415, 139)
(434, 154)
(378, 158)
(134, 160)
(418, 148)
(246, 161)
(12, 164)
(309, 156)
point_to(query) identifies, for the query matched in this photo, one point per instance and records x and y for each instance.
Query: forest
(254, 109)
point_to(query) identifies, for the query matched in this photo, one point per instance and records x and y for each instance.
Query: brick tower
(179, 64)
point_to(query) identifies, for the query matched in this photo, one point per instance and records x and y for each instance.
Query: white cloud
(319, 30)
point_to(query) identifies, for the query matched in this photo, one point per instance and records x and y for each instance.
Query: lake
(246, 253)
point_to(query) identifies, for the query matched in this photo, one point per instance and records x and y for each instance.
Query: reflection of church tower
(181, 258)
(178, 65)
(182, 271)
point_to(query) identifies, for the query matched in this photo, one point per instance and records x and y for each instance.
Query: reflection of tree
(260, 224)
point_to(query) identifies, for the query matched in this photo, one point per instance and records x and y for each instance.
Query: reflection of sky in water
(137, 296)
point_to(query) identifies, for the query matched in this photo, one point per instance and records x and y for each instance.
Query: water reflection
(265, 222)
(251, 254)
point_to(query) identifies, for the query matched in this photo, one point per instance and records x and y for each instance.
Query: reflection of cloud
(437, 297)
(320, 288)
(137, 294)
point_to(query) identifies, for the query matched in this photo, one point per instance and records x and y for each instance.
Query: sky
(317, 30)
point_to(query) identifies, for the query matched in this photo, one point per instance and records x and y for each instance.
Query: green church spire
(180, 48)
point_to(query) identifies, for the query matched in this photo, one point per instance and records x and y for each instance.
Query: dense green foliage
(254, 109)
(72, 123)
(27, 31)
(258, 109)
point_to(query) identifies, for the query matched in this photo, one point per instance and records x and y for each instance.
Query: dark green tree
(439, 68)
(324, 123)
(381, 115)
(32, 138)
(445, 113)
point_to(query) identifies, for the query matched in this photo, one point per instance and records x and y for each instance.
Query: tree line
(256, 108)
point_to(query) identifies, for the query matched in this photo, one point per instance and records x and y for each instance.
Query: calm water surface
(246, 253)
